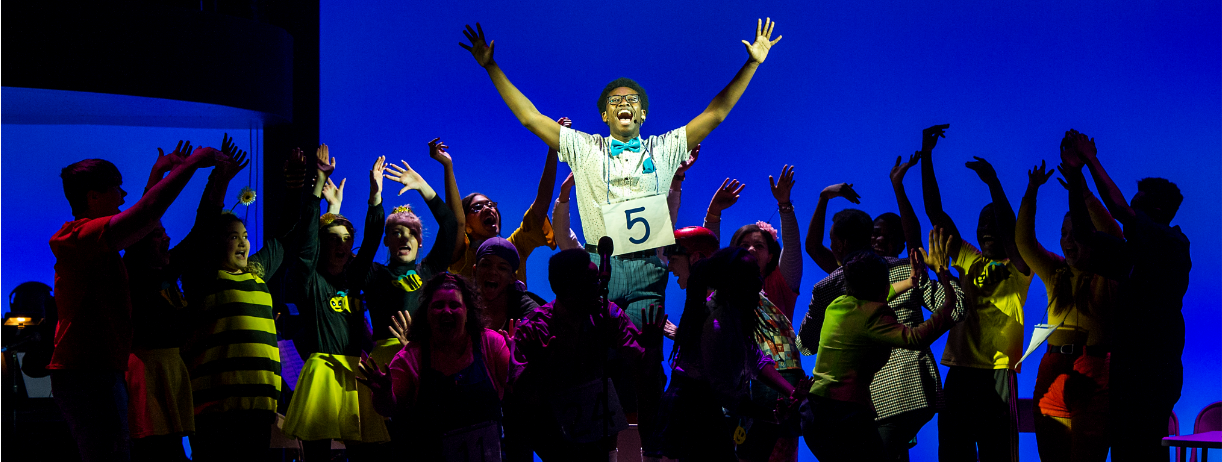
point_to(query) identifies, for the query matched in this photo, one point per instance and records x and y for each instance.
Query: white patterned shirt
(602, 179)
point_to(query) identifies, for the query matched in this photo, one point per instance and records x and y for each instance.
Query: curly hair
(420, 330)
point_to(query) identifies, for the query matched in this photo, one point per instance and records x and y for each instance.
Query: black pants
(94, 404)
(898, 431)
(1141, 401)
(841, 431)
(695, 427)
(980, 414)
(232, 436)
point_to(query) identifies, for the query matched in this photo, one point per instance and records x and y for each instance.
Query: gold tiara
(402, 209)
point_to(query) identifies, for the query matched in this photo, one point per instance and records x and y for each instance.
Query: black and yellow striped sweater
(235, 360)
(232, 354)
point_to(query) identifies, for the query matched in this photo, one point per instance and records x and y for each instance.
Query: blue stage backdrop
(846, 91)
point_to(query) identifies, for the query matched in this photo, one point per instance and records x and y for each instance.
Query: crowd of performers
(461, 360)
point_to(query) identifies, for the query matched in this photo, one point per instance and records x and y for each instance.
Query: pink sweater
(405, 369)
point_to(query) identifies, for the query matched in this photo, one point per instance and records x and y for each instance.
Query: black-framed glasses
(478, 206)
(631, 99)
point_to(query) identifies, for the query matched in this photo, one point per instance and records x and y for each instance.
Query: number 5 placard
(639, 224)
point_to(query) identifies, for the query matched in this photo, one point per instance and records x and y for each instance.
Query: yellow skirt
(329, 403)
(384, 351)
(159, 394)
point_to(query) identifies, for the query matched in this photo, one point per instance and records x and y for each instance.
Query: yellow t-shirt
(532, 233)
(991, 334)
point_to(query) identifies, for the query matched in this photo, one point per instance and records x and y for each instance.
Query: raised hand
(1077, 148)
(205, 156)
(929, 136)
(983, 169)
(844, 190)
(295, 169)
(901, 168)
(400, 325)
(687, 163)
(938, 257)
(654, 326)
(326, 163)
(372, 375)
(726, 195)
(375, 180)
(782, 188)
(918, 265)
(759, 48)
(332, 193)
(405, 175)
(480, 49)
(229, 147)
(231, 165)
(566, 187)
(437, 150)
(166, 163)
(1037, 176)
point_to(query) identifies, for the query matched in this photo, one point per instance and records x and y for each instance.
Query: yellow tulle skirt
(328, 403)
(384, 351)
(159, 394)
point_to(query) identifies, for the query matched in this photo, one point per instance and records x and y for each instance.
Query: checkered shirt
(910, 380)
(775, 336)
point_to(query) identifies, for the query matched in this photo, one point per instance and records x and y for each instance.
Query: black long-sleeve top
(382, 294)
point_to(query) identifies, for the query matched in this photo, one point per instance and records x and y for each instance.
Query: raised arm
(166, 163)
(565, 237)
(675, 196)
(791, 260)
(547, 181)
(189, 250)
(453, 199)
(333, 194)
(1110, 256)
(1035, 255)
(908, 218)
(929, 184)
(1084, 148)
(889, 331)
(721, 105)
(814, 238)
(529, 116)
(725, 197)
(271, 255)
(131, 225)
(359, 270)
(1003, 213)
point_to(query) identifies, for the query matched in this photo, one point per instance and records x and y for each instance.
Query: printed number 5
(633, 221)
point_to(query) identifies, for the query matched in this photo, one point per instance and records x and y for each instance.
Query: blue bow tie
(618, 147)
